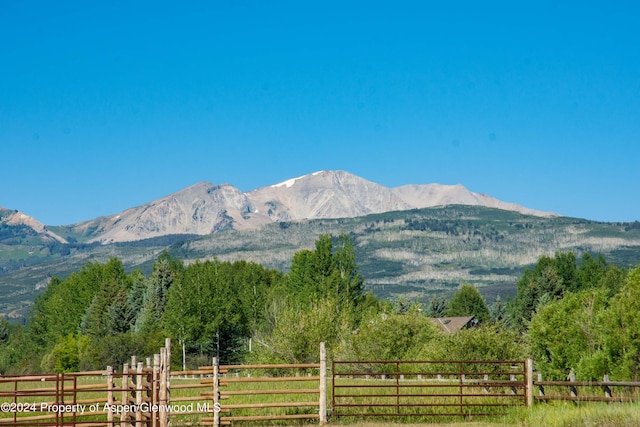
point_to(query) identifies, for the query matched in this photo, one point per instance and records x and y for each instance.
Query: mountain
(201, 209)
(206, 208)
(430, 195)
(325, 194)
(16, 225)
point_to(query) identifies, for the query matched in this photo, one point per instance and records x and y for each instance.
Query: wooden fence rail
(147, 393)
(132, 398)
(268, 386)
(568, 390)
(428, 388)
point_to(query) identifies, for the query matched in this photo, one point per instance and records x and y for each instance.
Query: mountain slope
(207, 208)
(325, 194)
(429, 195)
(15, 224)
(203, 208)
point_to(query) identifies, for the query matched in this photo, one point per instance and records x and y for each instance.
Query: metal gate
(427, 388)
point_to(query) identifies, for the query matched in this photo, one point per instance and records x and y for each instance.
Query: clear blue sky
(109, 105)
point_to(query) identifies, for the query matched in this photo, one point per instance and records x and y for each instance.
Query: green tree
(330, 271)
(438, 307)
(135, 298)
(551, 278)
(320, 299)
(566, 335)
(542, 283)
(350, 286)
(166, 272)
(65, 355)
(499, 313)
(98, 321)
(64, 305)
(622, 337)
(216, 306)
(4, 331)
(468, 301)
(591, 271)
(486, 342)
(384, 336)
(297, 333)
(115, 350)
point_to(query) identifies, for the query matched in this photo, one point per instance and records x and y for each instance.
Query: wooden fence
(149, 394)
(428, 388)
(282, 389)
(137, 396)
(625, 391)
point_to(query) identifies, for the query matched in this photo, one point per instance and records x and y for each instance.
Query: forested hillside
(418, 254)
(570, 313)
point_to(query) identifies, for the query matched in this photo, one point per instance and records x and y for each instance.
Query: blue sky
(109, 105)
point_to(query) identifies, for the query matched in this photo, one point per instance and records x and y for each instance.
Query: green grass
(563, 414)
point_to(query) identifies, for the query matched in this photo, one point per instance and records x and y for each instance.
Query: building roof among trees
(454, 324)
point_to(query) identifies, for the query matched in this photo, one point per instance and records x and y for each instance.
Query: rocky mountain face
(203, 208)
(430, 195)
(206, 208)
(19, 223)
(325, 194)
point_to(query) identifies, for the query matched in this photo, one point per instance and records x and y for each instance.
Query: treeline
(569, 314)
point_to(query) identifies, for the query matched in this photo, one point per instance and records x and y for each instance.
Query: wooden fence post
(110, 394)
(124, 415)
(148, 392)
(139, 385)
(607, 389)
(162, 393)
(572, 388)
(167, 345)
(540, 386)
(156, 388)
(216, 392)
(323, 384)
(529, 379)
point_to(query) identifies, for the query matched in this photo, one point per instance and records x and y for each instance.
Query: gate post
(110, 395)
(156, 390)
(323, 384)
(216, 392)
(162, 393)
(138, 393)
(529, 379)
(124, 396)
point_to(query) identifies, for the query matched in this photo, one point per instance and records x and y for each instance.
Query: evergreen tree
(499, 311)
(438, 307)
(4, 331)
(113, 282)
(166, 271)
(135, 299)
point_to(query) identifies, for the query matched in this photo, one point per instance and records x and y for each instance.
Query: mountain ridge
(206, 208)
(15, 218)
